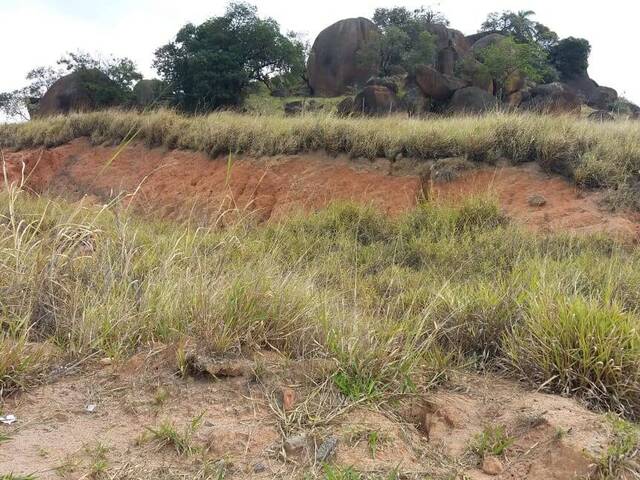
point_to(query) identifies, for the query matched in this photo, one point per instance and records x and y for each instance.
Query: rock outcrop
(487, 41)
(375, 100)
(552, 98)
(334, 64)
(472, 100)
(451, 46)
(78, 92)
(436, 85)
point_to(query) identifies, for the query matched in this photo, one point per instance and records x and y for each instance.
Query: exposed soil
(244, 425)
(179, 184)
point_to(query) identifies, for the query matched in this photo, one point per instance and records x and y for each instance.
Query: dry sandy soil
(249, 413)
(246, 419)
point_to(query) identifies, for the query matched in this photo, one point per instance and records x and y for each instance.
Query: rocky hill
(456, 79)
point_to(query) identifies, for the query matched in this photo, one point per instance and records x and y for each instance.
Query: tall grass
(395, 303)
(593, 154)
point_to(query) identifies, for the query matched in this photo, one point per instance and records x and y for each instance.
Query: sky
(38, 32)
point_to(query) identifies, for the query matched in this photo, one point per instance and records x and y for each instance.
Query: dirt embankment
(177, 184)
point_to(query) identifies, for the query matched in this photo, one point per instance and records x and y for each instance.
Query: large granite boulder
(552, 98)
(375, 100)
(472, 100)
(80, 91)
(334, 64)
(603, 98)
(590, 93)
(435, 84)
(451, 46)
(487, 41)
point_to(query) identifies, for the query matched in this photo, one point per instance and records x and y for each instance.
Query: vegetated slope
(594, 154)
(348, 308)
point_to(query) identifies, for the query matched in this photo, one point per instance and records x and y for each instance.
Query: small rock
(492, 466)
(326, 449)
(259, 467)
(537, 201)
(106, 361)
(295, 445)
(288, 399)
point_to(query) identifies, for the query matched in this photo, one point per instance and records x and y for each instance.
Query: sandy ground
(245, 424)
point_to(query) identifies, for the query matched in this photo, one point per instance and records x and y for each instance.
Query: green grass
(620, 459)
(593, 154)
(167, 434)
(493, 440)
(395, 303)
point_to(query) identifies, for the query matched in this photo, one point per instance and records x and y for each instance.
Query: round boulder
(472, 100)
(552, 98)
(602, 98)
(436, 85)
(334, 65)
(487, 41)
(80, 91)
(375, 100)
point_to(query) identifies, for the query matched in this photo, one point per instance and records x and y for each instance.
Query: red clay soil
(177, 184)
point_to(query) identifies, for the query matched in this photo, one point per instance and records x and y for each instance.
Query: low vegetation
(593, 154)
(394, 304)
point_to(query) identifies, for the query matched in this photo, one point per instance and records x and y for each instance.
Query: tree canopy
(405, 40)
(507, 57)
(571, 56)
(521, 27)
(211, 65)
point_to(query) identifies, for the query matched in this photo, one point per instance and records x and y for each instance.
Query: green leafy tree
(521, 27)
(120, 70)
(211, 65)
(507, 57)
(571, 56)
(405, 40)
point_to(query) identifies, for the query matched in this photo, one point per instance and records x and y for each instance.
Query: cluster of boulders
(455, 83)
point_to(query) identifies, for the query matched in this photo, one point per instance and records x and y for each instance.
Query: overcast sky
(37, 32)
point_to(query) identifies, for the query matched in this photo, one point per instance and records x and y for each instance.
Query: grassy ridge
(394, 303)
(593, 154)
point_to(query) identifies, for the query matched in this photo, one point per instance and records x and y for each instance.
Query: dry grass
(593, 154)
(395, 304)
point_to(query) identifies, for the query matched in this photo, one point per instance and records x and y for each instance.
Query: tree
(121, 70)
(411, 21)
(405, 40)
(507, 57)
(521, 27)
(571, 56)
(211, 65)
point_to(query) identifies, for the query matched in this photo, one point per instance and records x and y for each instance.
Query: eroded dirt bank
(177, 184)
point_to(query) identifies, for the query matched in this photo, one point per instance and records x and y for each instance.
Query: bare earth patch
(179, 184)
(243, 426)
